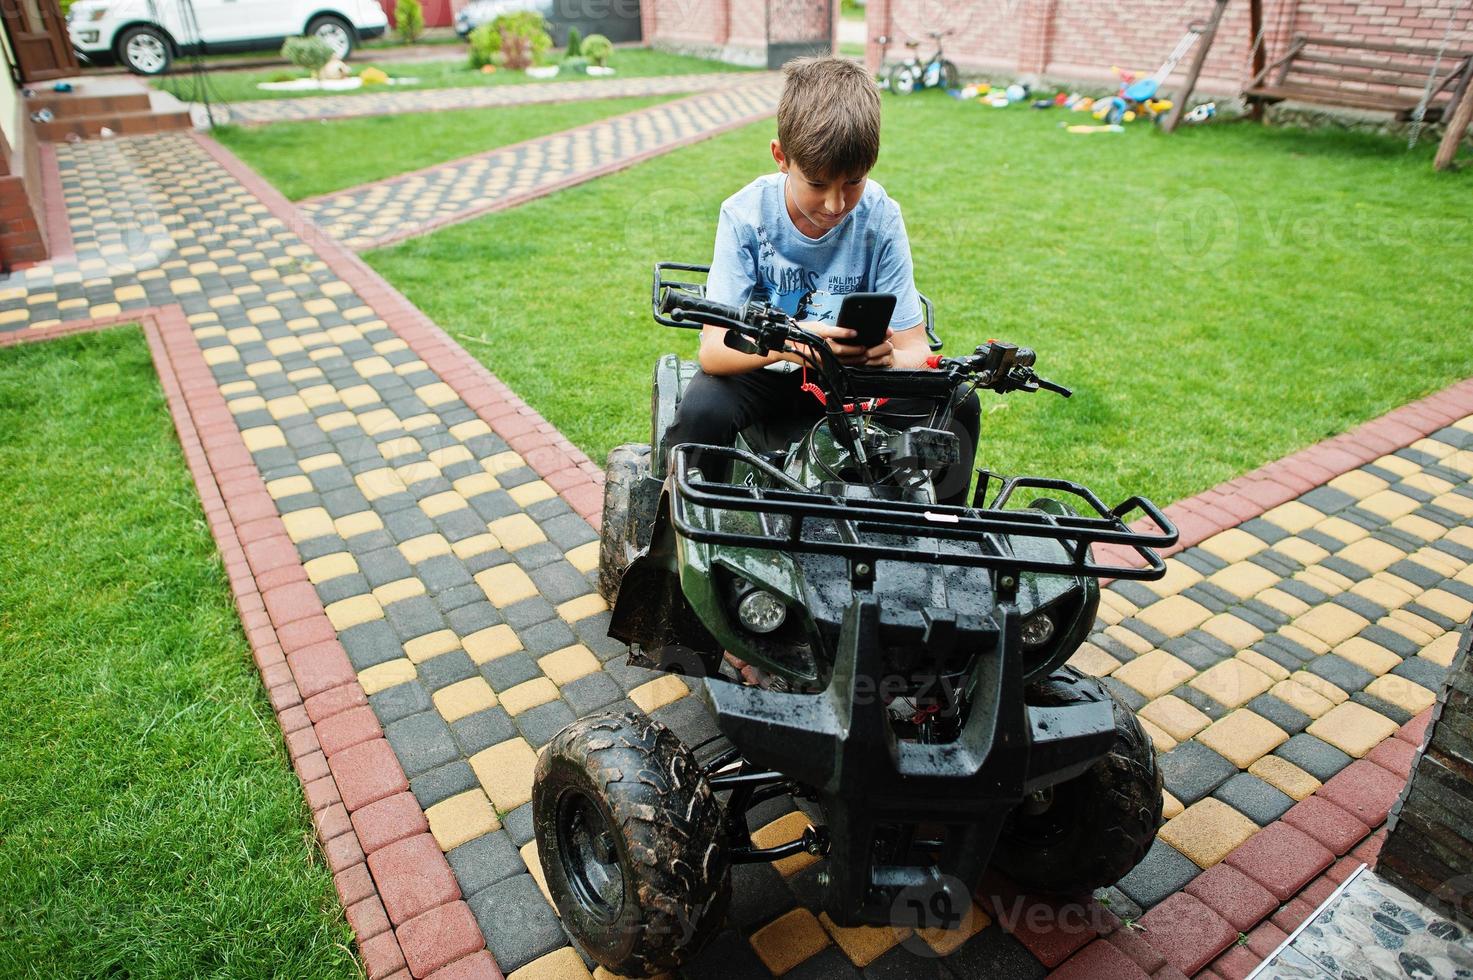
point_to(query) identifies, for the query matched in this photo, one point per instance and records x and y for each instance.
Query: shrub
(574, 66)
(311, 53)
(524, 38)
(598, 49)
(485, 44)
(575, 43)
(409, 20)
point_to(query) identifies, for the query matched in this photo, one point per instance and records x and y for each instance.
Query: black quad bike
(903, 665)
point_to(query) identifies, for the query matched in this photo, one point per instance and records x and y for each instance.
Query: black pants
(716, 407)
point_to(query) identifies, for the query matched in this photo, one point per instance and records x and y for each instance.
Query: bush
(598, 49)
(485, 44)
(311, 53)
(524, 38)
(409, 20)
(574, 66)
(575, 43)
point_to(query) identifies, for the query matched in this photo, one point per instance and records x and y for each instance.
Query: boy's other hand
(841, 342)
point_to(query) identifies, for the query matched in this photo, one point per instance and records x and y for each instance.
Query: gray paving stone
(457, 525)
(537, 555)
(369, 541)
(1196, 653)
(688, 718)
(266, 459)
(1254, 798)
(1349, 569)
(1210, 597)
(476, 564)
(1287, 717)
(297, 501)
(1129, 695)
(994, 953)
(1327, 500)
(593, 632)
(394, 503)
(1322, 540)
(449, 600)
(326, 544)
(1436, 618)
(494, 505)
(1135, 592)
(538, 725)
(1360, 605)
(344, 501)
(1201, 561)
(1341, 672)
(443, 572)
(528, 612)
(400, 701)
(414, 617)
(1144, 630)
(1265, 617)
(1420, 670)
(1264, 530)
(545, 637)
(428, 488)
(473, 617)
(829, 963)
(518, 824)
(1318, 758)
(758, 895)
(507, 672)
(1302, 591)
(384, 565)
(568, 531)
(408, 523)
(1113, 647)
(627, 676)
(487, 444)
(516, 476)
(372, 643)
(1192, 771)
(484, 861)
(422, 742)
(1365, 519)
(440, 784)
(592, 692)
(726, 957)
(446, 669)
(1202, 702)
(1164, 872)
(483, 729)
(1391, 640)
(342, 587)
(1395, 712)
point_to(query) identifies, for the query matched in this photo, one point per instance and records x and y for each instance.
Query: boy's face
(823, 201)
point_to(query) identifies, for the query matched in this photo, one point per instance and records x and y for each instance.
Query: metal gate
(798, 28)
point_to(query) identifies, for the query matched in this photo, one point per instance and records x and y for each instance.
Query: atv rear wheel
(625, 530)
(631, 842)
(1090, 831)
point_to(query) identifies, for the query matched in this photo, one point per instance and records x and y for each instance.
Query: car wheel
(145, 51)
(336, 32)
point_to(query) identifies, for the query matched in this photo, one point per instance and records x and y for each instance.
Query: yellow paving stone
(1258, 661)
(1180, 719)
(281, 346)
(1331, 623)
(1411, 626)
(1318, 685)
(1389, 504)
(127, 293)
(431, 545)
(1092, 660)
(560, 964)
(230, 389)
(338, 420)
(1129, 639)
(1302, 551)
(262, 368)
(184, 286)
(378, 421)
(1244, 579)
(438, 393)
(449, 455)
(785, 829)
(346, 613)
(330, 567)
(304, 525)
(864, 944)
(288, 485)
(476, 544)
(506, 584)
(1352, 728)
(1207, 831)
(1243, 737)
(1371, 554)
(360, 523)
(382, 482)
(431, 645)
(1154, 673)
(461, 818)
(1232, 545)
(1396, 464)
(263, 437)
(104, 310)
(582, 607)
(470, 429)
(1109, 597)
(476, 484)
(531, 492)
(486, 645)
(1179, 575)
(1232, 683)
(1442, 650)
(584, 557)
(1427, 483)
(1293, 516)
(501, 462)
(1284, 776)
(463, 698)
(1174, 615)
(317, 307)
(404, 588)
(658, 692)
(392, 449)
(1433, 447)
(1327, 580)
(1381, 592)
(1363, 653)
(323, 353)
(789, 940)
(243, 335)
(528, 695)
(248, 404)
(568, 664)
(381, 677)
(944, 942)
(505, 771)
(442, 503)
(1160, 741)
(516, 531)
(1438, 561)
(372, 367)
(1233, 631)
(1170, 806)
(1341, 530)
(1108, 613)
(1455, 502)
(533, 863)
(1401, 692)
(1309, 641)
(1452, 606)
(1284, 602)
(358, 396)
(1419, 527)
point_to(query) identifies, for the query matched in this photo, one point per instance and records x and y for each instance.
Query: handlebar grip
(678, 298)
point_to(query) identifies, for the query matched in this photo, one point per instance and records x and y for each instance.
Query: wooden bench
(1361, 75)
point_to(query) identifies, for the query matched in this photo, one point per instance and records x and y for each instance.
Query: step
(121, 123)
(92, 97)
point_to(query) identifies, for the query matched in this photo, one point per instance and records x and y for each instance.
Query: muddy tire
(625, 530)
(1099, 825)
(631, 842)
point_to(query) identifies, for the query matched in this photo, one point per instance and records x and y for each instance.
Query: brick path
(414, 204)
(408, 547)
(394, 102)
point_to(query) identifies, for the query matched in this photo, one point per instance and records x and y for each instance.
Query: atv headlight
(761, 611)
(1037, 630)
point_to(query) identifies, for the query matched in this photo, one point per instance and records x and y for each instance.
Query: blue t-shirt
(760, 256)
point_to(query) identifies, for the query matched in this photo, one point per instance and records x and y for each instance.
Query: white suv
(146, 35)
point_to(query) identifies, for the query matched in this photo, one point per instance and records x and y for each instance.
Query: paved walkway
(392, 102)
(414, 204)
(408, 546)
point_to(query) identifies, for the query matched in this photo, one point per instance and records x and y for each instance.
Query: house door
(38, 36)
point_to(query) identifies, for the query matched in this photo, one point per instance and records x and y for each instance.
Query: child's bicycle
(911, 74)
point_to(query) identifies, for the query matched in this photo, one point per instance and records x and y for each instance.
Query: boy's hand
(840, 341)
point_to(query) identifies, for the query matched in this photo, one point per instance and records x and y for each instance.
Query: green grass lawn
(304, 159)
(1216, 298)
(152, 824)
(240, 86)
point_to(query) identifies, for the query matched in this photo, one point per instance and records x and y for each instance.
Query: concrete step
(121, 124)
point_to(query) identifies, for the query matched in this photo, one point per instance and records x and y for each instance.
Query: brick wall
(438, 13)
(1083, 39)
(22, 227)
(1429, 851)
(735, 30)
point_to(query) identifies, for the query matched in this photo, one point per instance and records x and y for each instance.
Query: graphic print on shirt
(804, 294)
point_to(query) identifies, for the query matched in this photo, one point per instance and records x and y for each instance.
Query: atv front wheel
(1090, 831)
(625, 530)
(631, 842)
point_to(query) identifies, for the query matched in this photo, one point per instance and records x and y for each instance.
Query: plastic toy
(1201, 113)
(902, 664)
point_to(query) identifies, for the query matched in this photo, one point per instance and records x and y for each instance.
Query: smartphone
(868, 313)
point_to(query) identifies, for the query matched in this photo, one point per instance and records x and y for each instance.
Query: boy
(800, 240)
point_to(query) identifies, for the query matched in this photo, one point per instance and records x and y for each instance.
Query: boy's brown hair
(828, 120)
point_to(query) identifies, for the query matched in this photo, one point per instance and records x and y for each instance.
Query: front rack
(795, 518)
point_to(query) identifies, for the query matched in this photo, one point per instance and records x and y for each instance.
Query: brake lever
(1055, 388)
